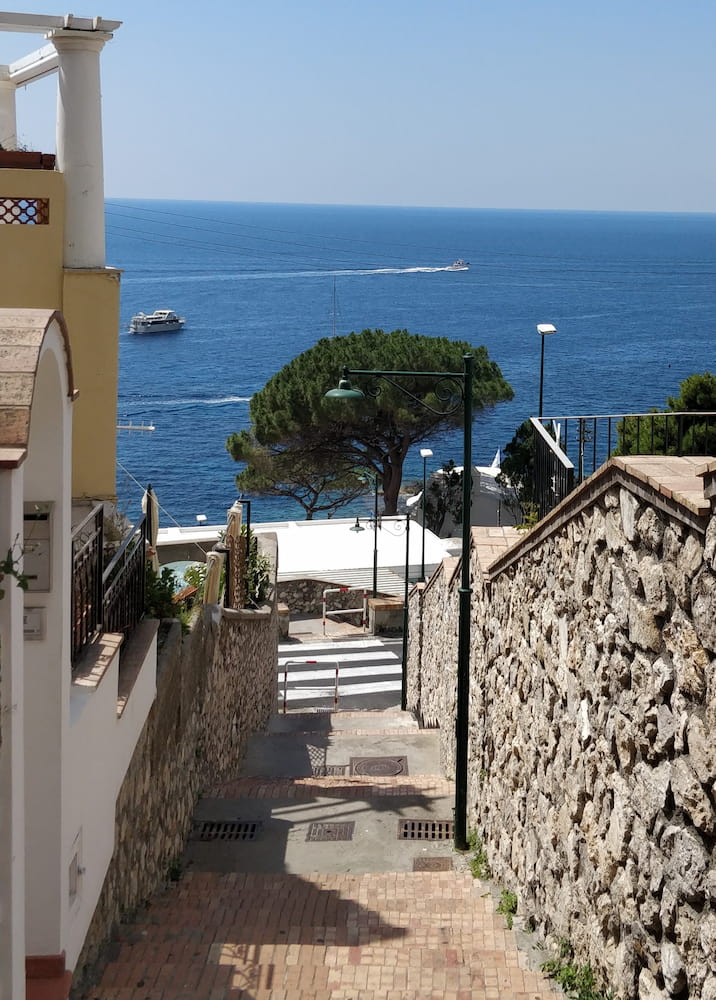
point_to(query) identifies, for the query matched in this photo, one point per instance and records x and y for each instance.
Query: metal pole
(404, 664)
(375, 540)
(541, 377)
(422, 557)
(462, 720)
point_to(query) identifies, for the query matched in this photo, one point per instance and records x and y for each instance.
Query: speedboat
(160, 321)
(458, 265)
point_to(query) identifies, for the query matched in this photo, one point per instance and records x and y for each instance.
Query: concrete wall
(593, 705)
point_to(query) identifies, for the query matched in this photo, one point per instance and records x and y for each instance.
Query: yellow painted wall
(91, 309)
(31, 271)
(32, 276)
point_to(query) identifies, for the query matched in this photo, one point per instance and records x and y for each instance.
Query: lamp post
(376, 525)
(544, 330)
(425, 454)
(448, 386)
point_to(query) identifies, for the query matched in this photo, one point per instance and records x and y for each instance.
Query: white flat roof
(322, 546)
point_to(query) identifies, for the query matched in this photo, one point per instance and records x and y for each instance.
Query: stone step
(357, 723)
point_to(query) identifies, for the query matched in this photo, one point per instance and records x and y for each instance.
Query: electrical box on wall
(37, 544)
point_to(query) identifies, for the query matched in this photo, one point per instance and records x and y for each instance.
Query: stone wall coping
(490, 543)
(386, 603)
(95, 660)
(669, 484)
(133, 658)
(448, 569)
(247, 614)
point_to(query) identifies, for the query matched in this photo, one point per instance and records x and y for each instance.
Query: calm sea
(633, 298)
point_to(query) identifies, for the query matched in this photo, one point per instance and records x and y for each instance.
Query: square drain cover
(226, 830)
(379, 767)
(432, 864)
(329, 771)
(425, 829)
(330, 831)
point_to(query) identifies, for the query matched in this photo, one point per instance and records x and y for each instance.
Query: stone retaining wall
(304, 597)
(215, 687)
(592, 757)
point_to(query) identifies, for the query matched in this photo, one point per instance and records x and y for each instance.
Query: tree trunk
(392, 477)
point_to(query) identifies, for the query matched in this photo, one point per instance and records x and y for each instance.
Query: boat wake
(166, 279)
(191, 401)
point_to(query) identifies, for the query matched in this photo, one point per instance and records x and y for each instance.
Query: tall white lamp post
(544, 330)
(425, 454)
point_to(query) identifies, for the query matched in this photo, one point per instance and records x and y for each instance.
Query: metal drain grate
(379, 767)
(425, 829)
(226, 830)
(330, 831)
(329, 771)
(432, 864)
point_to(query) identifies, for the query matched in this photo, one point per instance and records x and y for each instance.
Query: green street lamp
(453, 389)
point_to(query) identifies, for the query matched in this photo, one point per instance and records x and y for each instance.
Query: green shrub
(159, 593)
(507, 906)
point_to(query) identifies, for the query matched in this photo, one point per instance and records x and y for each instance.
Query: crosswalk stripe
(304, 694)
(318, 675)
(345, 658)
(292, 647)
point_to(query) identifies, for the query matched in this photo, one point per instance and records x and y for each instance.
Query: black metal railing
(111, 599)
(588, 441)
(123, 583)
(87, 547)
(553, 470)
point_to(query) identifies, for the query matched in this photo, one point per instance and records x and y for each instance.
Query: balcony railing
(107, 599)
(586, 442)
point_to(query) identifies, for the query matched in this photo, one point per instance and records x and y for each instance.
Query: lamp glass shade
(344, 391)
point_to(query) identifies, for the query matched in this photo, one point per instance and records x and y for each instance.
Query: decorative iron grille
(24, 211)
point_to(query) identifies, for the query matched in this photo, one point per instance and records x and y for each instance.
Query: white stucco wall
(12, 810)
(47, 660)
(99, 748)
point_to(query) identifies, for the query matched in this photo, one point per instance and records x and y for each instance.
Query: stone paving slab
(297, 755)
(393, 936)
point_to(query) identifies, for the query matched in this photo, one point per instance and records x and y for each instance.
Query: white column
(79, 144)
(8, 121)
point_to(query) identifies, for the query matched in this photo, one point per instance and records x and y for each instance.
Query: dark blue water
(633, 298)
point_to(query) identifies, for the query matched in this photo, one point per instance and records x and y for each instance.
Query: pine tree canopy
(291, 414)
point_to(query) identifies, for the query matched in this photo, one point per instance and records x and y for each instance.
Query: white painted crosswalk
(358, 674)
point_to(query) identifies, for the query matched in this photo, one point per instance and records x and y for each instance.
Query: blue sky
(558, 104)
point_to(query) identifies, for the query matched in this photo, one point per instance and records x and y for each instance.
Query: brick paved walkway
(369, 935)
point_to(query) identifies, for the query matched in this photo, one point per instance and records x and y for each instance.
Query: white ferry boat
(458, 265)
(160, 321)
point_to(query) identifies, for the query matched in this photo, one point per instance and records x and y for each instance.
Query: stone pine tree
(293, 422)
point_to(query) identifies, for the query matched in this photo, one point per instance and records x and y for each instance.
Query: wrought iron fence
(87, 546)
(123, 583)
(553, 471)
(111, 599)
(586, 442)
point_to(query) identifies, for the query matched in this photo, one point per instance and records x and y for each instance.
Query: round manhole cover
(379, 767)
